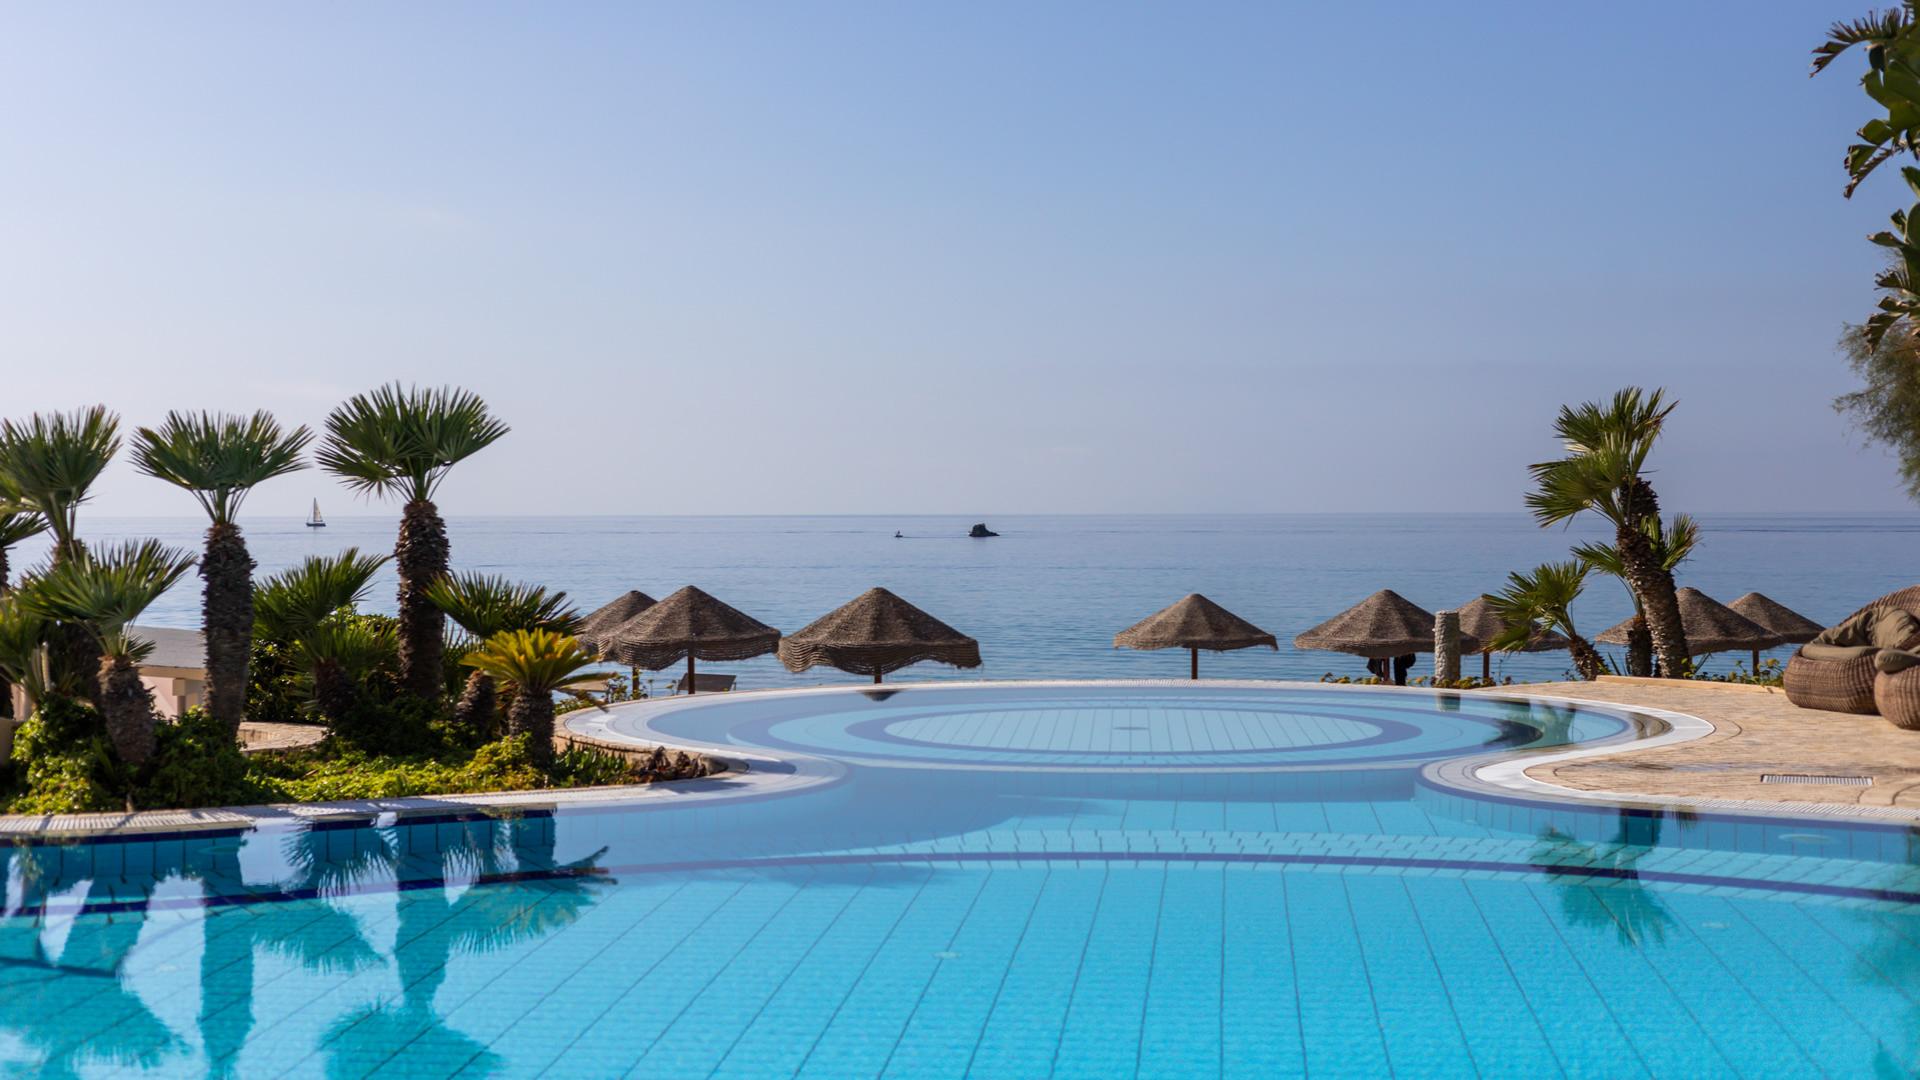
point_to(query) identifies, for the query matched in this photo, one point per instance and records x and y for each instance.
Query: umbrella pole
(1756, 662)
(1196, 664)
(1486, 665)
(692, 686)
(876, 678)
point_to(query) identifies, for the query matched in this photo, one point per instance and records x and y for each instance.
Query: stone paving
(1756, 731)
(256, 737)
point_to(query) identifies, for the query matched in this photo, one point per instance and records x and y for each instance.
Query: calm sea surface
(1046, 597)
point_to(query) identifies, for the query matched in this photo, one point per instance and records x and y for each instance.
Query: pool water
(996, 881)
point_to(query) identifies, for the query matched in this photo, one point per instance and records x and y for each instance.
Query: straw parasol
(1479, 621)
(1194, 623)
(596, 630)
(690, 624)
(874, 633)
(1711, 626)
(1789, 625)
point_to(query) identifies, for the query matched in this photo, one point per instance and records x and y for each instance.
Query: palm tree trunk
(227, 612)
(1586, 659)
(475, 711)
(421, 558)
(332, 692)
(1652, 587)
(531, 714)
(127, 708)
(1639, 647)
(72, 650)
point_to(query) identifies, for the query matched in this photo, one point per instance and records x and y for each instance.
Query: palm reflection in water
(41, 994)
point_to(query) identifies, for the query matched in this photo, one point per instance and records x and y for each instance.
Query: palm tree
(219, 459)
(288, 604)
(23, 651)
(402, 441)
(336, 655)
(1543, 597)
(104, 592)
(538, 663)
(15, 526)
(47, 465)
(1674, 544)
(484, 606)
(1607, 448)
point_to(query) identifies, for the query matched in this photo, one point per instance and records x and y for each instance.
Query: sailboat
(314, 521)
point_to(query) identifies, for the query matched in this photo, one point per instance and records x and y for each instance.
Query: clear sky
(970, 258)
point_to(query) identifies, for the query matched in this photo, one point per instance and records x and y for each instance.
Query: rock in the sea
(982, 530)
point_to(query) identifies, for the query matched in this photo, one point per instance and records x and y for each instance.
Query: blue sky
(819, 258)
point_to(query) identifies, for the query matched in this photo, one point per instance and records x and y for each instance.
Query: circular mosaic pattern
(1120, 727)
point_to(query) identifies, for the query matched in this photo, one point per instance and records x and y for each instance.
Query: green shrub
(198, 764)
(385, 722)
(275, 692)
(583, 766)
(68, 765)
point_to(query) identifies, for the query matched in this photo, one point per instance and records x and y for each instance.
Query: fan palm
(1673, 544)
(15, 525)
(401, 441)
(23, 651)
(1603, 471)
(484, 606)
(336, 655)
(1543, 597)
(219, 459)
(538, 663)
(48, 464)
(288, 604)
(105, 592)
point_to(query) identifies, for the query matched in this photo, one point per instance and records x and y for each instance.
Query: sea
(1046, 596)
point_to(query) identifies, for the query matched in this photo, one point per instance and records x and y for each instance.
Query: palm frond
(219, 457)
(484, 606)
(49, 462)
(402, 440)
(107, 589)
(537, 661)
(356, 646)
(1541, 597)
(293, 601)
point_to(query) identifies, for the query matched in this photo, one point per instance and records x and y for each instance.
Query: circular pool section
(1052, 727)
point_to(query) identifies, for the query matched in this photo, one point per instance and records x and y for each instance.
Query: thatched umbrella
(1194, 623)
(1711, 627)
(1789, 625)
(874, 633)
(1479, 621)
(690, 624)
(1381, 627)
(596, 630)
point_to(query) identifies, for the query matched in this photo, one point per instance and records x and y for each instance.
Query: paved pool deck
(1756, 732)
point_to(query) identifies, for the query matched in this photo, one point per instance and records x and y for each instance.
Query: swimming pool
(997, 880)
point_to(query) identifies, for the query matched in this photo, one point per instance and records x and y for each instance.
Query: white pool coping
(759, 773)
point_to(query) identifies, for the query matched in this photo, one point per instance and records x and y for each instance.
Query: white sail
(316, 521)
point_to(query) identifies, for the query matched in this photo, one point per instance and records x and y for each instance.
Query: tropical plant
(336, 655)
(105, 592)
(484, 606)
(1543, 597)
(48, 464)
(1603, 472)
(1673, 544)
(219, 459)
(16, 525)
(1892, 80)
(23, 651)
(401, 441)
(538, 664)
(288, 604)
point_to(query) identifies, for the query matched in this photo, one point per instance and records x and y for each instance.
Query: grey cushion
(1813, 650)
(1892, 661)
(1857, 630)
(1896, 628)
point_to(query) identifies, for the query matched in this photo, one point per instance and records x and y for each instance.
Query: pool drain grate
(1807, 778)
